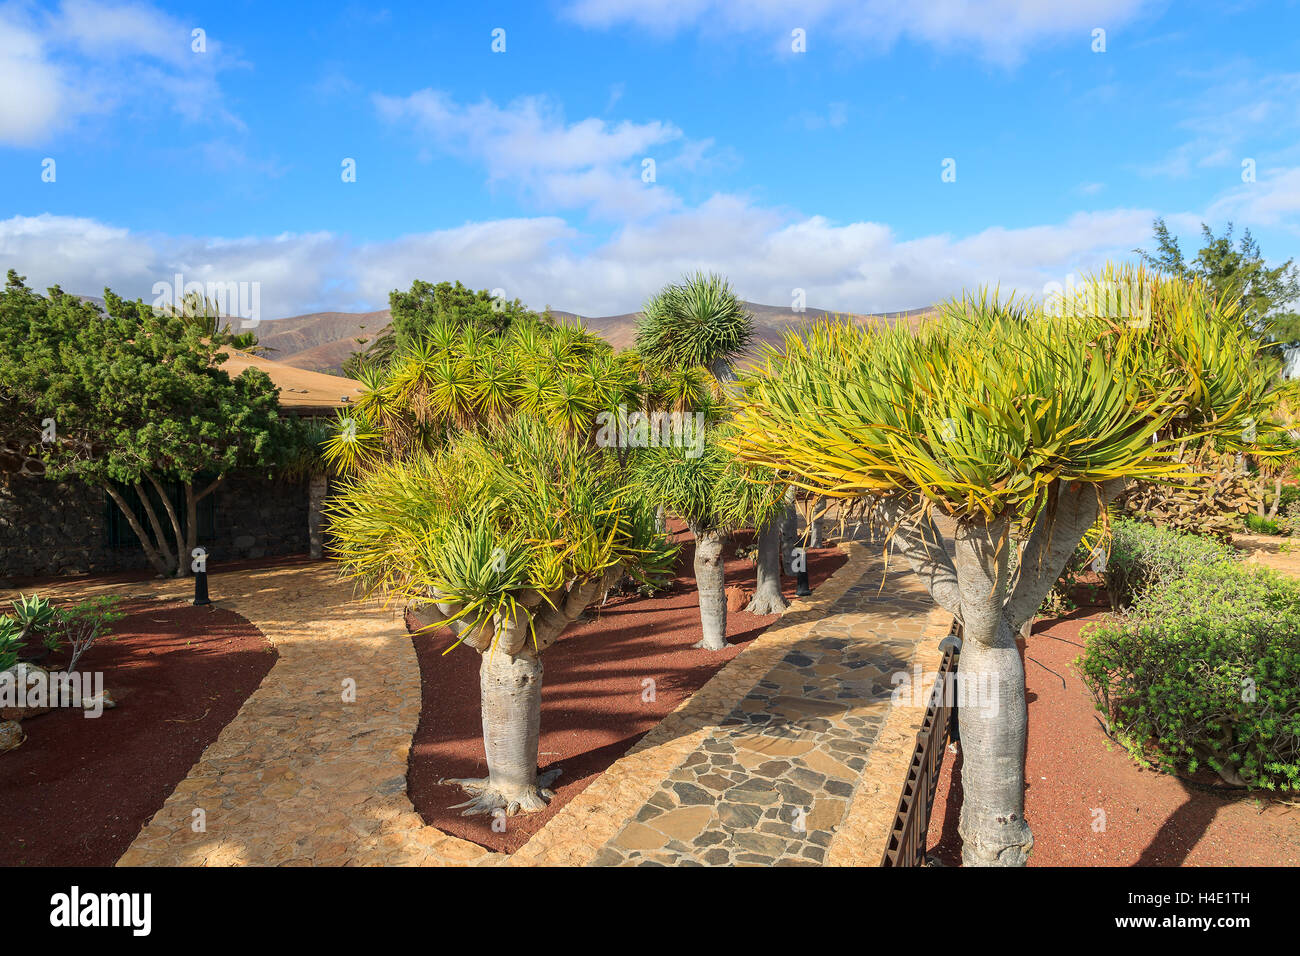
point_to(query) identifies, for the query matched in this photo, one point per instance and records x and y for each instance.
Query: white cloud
(858, 266)
(34, 92)
(297, 272)
(1246, 115)
(121, 30)
(590, 164)
(91, 57)
(998, 30)
(1274, 199)
(518, 255)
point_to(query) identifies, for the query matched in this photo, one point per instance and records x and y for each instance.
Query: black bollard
(801, 578)
(201, 588)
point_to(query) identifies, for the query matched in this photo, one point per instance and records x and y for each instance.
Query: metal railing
(906, 845)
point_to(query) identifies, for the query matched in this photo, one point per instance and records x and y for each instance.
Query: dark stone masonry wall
(49, 528)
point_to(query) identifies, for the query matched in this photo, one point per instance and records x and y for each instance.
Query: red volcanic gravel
(592, 706)
(78, 790)
(1073, 768)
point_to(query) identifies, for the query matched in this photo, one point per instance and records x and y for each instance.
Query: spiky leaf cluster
(699, 322)
(980, 411)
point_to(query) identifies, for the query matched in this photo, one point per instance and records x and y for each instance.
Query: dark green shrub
(1142, 556)
(1263, 525)
(1206, 670)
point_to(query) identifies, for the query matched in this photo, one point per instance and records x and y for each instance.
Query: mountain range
(322, 341)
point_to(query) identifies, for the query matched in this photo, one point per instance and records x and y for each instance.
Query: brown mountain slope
(770, 322)
(322, 341)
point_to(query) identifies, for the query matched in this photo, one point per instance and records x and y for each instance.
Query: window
(120, 534)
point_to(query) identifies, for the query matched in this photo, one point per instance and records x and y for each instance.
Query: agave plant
(997, 412)
(715, 494)
(34, 615)
(504, 537)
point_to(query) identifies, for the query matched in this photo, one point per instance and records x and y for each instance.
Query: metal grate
(907, 838)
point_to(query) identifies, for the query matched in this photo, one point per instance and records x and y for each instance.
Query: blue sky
(523, 170)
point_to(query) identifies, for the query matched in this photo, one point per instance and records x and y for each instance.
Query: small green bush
(82, 624)
(1263, 525)
(1206, 670)
(1143, 556)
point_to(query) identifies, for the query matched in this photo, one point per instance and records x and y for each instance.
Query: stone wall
(49, 528)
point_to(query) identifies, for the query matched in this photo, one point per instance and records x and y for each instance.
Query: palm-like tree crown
(202, 313)
(698, 322)
(712, 490)
(465, 379)
(985, 408)
(496, 520)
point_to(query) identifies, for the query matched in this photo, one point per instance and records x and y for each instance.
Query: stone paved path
(774, 782)
(300, 776)
(791, 755)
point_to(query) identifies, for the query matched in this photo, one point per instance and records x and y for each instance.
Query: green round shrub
(1206, 671)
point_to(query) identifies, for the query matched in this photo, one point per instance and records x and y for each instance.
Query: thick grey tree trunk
(789, 532)
(510, 689)
(192, 531)
(993, 722)
(767, 589)
(163, 548)
(316, 489)
(510, 686)
(711, 585)
(176, 523)
(974, 585)
(192, 500)
(723, 370)
(815, 512)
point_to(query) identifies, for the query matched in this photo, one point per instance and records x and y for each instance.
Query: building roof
(301, 391)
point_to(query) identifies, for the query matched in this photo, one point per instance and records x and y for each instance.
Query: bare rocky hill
(322, 341)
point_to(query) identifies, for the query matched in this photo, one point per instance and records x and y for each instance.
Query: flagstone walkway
(791, 755)
(774, 783)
